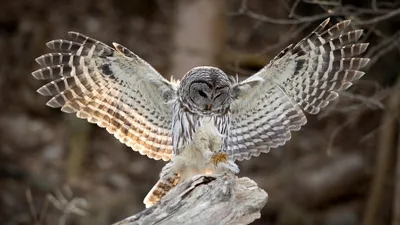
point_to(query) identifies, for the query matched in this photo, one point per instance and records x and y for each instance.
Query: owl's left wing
(304, 77)
(113, 88)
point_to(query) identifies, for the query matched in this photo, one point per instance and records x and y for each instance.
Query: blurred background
(342, 168)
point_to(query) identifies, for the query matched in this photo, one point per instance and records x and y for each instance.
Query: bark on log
(216, 199)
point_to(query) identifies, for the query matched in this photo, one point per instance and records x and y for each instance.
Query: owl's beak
(208, 106)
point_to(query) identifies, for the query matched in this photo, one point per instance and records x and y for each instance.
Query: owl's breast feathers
(205, 152)
(186, 124)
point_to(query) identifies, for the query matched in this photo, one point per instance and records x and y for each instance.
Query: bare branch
(285, 41)
(326, 2)
(267, 19)
(293, 8)
(383, 47)
(380, 18)
(338, 10)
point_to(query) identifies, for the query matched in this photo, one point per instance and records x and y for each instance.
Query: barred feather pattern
(193, 135)
(302, 78)
(185, 124)
(160, 189)
(113, 88)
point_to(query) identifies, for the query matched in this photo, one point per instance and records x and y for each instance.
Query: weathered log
(214, 199)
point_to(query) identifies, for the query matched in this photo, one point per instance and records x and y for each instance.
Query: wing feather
(113, 88)
(302, 78)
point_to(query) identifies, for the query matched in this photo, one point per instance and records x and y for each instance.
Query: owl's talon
(229, 166)
(219, 157)
(222, 163)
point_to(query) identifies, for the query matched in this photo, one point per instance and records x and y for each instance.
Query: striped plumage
(302, 77)
(113, 88)
(187, 117)
(168, 180)
(165, 120)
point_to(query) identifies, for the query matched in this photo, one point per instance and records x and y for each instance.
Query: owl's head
(206, 90)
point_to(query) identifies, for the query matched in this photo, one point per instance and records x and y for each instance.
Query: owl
(208, 120)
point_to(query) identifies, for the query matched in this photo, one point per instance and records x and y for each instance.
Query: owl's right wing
(304, 77)
(113, 88)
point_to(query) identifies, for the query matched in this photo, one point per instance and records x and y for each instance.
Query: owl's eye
(202, 94)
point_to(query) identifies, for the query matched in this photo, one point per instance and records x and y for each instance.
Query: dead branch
(221, 199)
(380, 18)
(386, 45)
(339, 10)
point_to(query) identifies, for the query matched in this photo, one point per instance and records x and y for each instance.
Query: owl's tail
(168, 180)
(160, 189)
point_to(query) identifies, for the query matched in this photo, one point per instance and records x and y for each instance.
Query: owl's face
(206, 90)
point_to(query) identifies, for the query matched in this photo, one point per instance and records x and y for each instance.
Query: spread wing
(113, 88)
(302, 78)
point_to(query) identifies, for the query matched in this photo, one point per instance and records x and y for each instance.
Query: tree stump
(206, 199)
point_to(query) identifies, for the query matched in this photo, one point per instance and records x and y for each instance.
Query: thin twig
(382, 48)
(329, 147)
(341, 10)
(31, 206)
(285, 41)
(327, 2)
(380, 18)
(293, 8)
